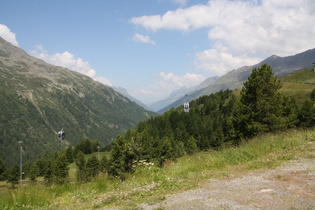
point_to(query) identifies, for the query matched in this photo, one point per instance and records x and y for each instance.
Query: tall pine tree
(307, 113)
(92, 167)
(117, 163)
(262, 107)
(61, 169)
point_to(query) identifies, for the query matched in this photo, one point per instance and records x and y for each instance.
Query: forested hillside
(213, 122)
(39, 99)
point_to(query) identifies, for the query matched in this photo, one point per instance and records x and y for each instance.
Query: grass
(299, 85)
(300, 92)
(306, 76)
(73, 167)
(151, 184)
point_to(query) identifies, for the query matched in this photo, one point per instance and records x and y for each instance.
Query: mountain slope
(299, 85)
(39, 99)
(234, 79)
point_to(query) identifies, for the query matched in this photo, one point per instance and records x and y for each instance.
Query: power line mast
(21, 163)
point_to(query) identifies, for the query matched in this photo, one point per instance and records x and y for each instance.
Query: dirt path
(290, 186)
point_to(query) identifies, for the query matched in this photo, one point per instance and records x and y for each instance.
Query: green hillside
(39, 99)
(306, 76)
(299, 85)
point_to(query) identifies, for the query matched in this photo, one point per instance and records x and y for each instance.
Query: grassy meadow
(299, 85)
(150, 183)
(306, 76)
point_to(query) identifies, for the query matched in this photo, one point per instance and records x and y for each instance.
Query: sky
(153, 47)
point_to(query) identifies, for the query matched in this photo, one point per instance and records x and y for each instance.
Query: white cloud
(144, 39)
(68, 60)
(181, 19)
(219, 63)
(174, 81)
(8, 35)
(166, 83)
(103, 80)
(241, 31)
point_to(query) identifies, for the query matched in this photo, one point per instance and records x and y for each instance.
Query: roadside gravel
(289, 186)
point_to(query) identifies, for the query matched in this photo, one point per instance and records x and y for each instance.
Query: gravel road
(290, 186)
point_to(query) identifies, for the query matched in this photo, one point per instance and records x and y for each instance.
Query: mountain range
(234, 79)
(125, 93)
(39, 99)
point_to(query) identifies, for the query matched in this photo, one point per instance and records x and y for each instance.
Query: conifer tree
(92, 167)
(3, 168)
(117, 163)
(191, 145)
(104, 164)
(262, 106)
(165, 151)
(33, 172)
(307, 113)
(69, 154)
(48, 174)
(168, 131)
(61, 169)
(313, 95)
(80, 162)
(13, 177)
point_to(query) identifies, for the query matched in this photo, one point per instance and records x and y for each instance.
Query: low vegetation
(150, 183)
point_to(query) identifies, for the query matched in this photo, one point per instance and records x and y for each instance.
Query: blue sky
(152, 47)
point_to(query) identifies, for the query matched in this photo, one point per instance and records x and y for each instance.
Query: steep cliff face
(39, 99)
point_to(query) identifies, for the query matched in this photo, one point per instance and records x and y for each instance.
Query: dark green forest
(215, 121)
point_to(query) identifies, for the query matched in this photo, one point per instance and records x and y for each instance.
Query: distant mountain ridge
(234, 79)
(39, 99)
(174, 96)
(125, 93)
(179, 93)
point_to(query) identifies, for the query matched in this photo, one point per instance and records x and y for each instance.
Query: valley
(151, 159)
